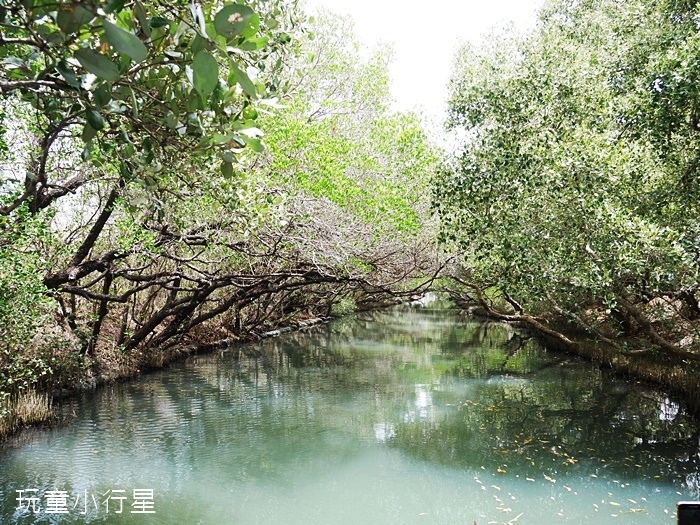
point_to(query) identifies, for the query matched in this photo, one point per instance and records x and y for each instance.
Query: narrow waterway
(397, 417)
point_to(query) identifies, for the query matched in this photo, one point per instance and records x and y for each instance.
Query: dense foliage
(575, 191)
(141, 209)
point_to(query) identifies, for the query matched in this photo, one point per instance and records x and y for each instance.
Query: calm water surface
(398, 417)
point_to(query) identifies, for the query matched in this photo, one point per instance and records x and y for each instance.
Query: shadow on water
(401, 416)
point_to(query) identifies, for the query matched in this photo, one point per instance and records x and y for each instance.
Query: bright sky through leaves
(425, 35)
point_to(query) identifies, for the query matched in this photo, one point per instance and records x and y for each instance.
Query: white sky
(425, 35)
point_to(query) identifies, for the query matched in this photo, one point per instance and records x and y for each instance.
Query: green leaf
(70, 20)
(255, 144)
(252, 28)
(67, 73)
(199, 43)
(159, 21)
(227, 169)
(102, 96)
(95, 119)
(193, 102)
(171, 120)
(66, 22)
(220, 139)
(243, 80)
(113, 6)
(97, 64)
(86, 154)
(205, 71)
(232, 19)
(125, 42)
(88, 133)
(143, 18)
(134, 103)
(249, 113)
(227, 156)
(254, 44)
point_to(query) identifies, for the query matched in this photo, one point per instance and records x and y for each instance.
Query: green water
(398, 417)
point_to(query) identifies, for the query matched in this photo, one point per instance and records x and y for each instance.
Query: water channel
(404, 416)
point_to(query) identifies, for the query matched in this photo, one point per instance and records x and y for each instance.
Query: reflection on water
(406, 416)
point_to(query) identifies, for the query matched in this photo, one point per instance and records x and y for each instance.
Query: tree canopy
(575, 191)
(188, 172)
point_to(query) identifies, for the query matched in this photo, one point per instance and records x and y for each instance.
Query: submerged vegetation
(176, 173)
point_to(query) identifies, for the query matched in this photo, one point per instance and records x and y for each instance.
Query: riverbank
(640, 363)
(630, 357)
(34, 408)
